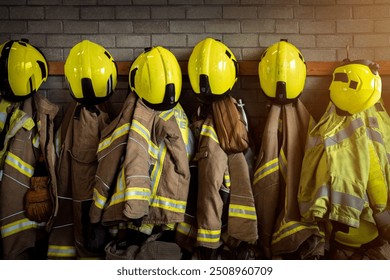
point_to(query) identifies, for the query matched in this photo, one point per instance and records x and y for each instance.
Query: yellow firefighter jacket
(78, 138)
(151, 150)
(27, 131)
(220, 173)
(345, 172)
(276, 182)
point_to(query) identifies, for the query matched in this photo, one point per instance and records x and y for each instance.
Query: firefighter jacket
(223, 182)
(27, 132)
(152, 175)
(78, 138)
(345, 171)
(276, 181)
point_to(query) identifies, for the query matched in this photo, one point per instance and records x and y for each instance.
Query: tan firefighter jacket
(276, 182)
(27, 131)
(152, 177)
(346, 173)
(78, 138)
(218, 173)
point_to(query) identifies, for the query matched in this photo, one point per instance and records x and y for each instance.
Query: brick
(334, 41)
(275, 12)
(14, 26)
(185, 2)
(97, 13)
(105, 40)
(168, 12)
(236, 52)
(151, 26)
(300, 41)
(169, 40)
(371, 40)
(317, 27)
(38, 40)
(14, 2)
(4, 14)
(352, 2)
(181, 54)
(62, 12)
(222, 26)
(282, 2)
(47, 26)
(114, 2)
(382, 26)
(317, 2)
(26, 12)
(132, 12)
(53, 54)
(239, 12)
(240, 40)
(186, 26)
(53, 82)
(258, 26)
(133, 41)
(118, 26)
(319, 54)
(44, 2)
(303, 12)
(371, 12)
(252, 2)
(355, 26)
(356, 53)
(287, 26)
(333, 12)
(382, 54)
(204, 12)
(62, 41)
(121, 54)
(79, 2)
(252, 53)
(81, 27)
(222, 2)
(150, 2)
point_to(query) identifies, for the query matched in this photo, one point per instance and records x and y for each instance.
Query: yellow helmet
(91, 73)
(282, 72)
(155, 76)
(356, 86)
(212, 69)
(23, 68)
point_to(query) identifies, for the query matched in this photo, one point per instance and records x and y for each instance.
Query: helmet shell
(282, 72)
(23, 69)
(91, 73)
(212, 69)
(156, 77)
(356, 86)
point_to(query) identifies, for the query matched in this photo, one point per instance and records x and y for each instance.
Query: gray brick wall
(321, 29)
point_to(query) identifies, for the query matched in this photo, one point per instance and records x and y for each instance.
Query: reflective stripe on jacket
(18, 158)
(276, 181)
(81, 128)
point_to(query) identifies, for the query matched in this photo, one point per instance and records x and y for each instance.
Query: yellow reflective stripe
(266, 169)
(141, 130)
(210, 132)
(61, 251)
(17, 163)
(17, 226)
(185, 228)
(206, 235)
(99, 200)
(173, 205)
(36, 140)
(144, 228)
(119, 194)
(291, 228)
(120, 131)
(166, 115)
(158, 168)
(226, 179)
(135, 193)
(241, 211)
(283, 164)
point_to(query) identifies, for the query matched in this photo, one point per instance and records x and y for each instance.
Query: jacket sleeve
(140, 154)
(212, 164)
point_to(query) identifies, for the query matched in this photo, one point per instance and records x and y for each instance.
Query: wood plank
(246, 67)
